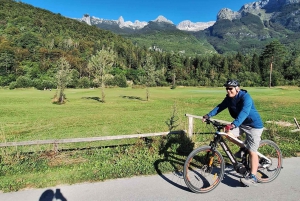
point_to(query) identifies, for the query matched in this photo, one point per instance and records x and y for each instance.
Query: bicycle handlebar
(215, 123)
(219, 126)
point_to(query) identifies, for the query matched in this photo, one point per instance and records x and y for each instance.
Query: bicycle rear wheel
(203, 170)
(267, 172)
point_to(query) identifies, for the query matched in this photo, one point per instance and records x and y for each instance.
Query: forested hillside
(32, 40)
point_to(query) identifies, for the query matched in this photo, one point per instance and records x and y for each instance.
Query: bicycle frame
(219, 139)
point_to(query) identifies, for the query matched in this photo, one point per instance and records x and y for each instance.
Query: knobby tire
(271, 170)
(198, 176)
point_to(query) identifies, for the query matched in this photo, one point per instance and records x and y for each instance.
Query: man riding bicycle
(246, 120)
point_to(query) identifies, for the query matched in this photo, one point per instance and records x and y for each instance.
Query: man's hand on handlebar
(228, 127)
(204, 118)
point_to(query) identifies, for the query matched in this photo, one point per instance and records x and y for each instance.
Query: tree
(6, 62)
(255, 64)
(225, 66)
(100, 66)
(63, 77)
(28, 40)
(293, 71)
(173, 63)
(150, 74)
(274, 53)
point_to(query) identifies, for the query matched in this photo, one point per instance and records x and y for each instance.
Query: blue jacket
(241, 108)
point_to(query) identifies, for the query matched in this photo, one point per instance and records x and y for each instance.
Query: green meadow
(29, 114)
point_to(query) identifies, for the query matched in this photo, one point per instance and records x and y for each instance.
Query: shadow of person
(59, 195)
(49, 194)
(231, 178)
(176, 173)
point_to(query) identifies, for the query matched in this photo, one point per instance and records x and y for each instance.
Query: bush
(120, 80)
(74, 79)
(84, 82)
(23, 82)
(7, 79)
(173, 86)
(12, 85)
(42, 84)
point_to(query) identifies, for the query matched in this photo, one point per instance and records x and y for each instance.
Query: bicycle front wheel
(268, 171)
(203, 169)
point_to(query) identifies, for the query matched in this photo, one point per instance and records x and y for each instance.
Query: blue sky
(142, 10)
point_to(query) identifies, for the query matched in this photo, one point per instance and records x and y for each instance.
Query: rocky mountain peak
(187, 25)
(226, 13)
(161, 18)
(121, 20)
(256, 8)
(86, 18)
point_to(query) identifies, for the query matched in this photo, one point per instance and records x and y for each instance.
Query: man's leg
(252, 143)
(254, 162)
(238, 132)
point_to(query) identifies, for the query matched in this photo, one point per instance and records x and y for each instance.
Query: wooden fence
(55, 142)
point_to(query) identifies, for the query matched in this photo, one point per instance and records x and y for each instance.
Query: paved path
(170, 187)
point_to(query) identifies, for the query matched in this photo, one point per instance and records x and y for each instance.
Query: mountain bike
(204, 167)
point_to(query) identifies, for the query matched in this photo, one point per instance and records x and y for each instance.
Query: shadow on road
(176, 149)
(171, 180)
(49, 195)
(231, 178)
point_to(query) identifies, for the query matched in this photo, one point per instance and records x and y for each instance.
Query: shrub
(84, 82)
(23, 82)
(12, 85)
(120, 80)
(42, 84)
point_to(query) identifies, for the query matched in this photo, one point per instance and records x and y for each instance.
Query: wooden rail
(90, 139)
(55, 142)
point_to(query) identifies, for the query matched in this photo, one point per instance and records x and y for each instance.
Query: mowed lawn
(29, 114)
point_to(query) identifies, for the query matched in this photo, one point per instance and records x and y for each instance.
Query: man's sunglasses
(229, 88)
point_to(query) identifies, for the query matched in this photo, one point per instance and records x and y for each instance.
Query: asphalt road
(169, 187)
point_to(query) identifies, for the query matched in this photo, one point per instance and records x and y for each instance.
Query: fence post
(55, 147)
(191, 123)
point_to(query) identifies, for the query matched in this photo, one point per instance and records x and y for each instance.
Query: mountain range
(249, 29)
(186, 25)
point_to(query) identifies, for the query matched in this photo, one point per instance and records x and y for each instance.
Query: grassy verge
(29, 115)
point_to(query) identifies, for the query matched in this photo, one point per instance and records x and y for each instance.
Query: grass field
(29, 114)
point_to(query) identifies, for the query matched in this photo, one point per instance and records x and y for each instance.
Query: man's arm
(219, 108)
(244, 113)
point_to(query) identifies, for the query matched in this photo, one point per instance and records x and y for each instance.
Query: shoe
(250, 180)
(240, 153)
